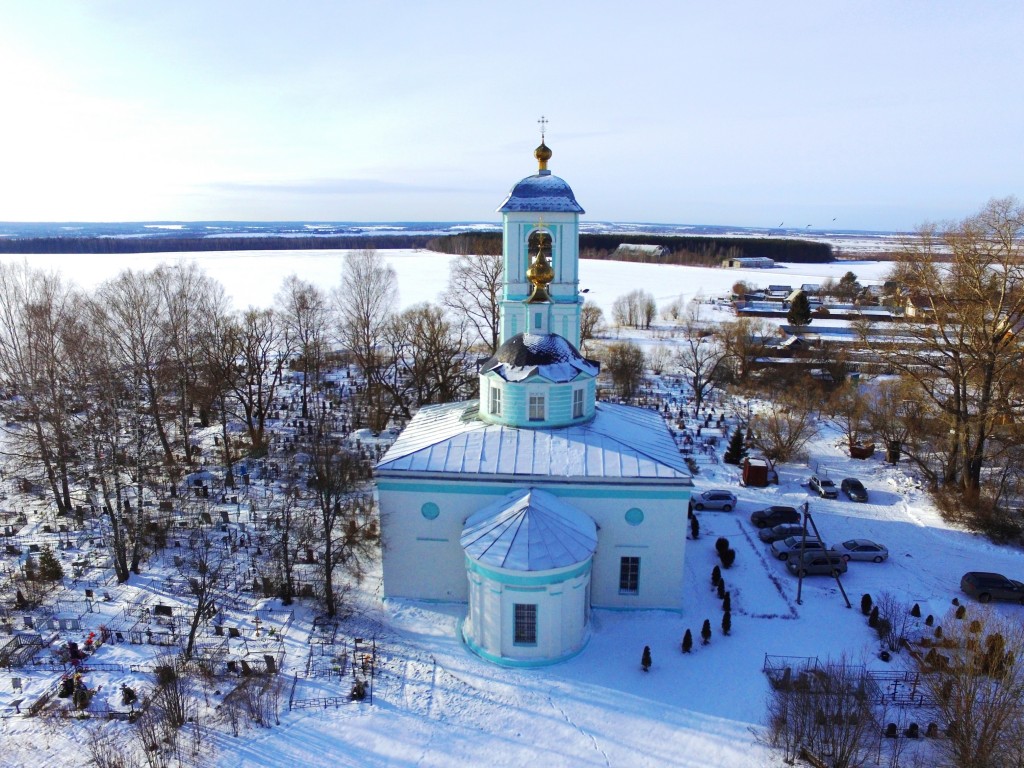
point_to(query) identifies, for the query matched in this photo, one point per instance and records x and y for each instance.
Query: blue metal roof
(620, 444)
(541, 192)
(529, 530)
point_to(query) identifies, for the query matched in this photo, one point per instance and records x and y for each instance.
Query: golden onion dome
(540, 274)
(543, 154)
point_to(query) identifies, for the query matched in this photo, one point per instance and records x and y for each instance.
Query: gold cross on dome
(543, 123)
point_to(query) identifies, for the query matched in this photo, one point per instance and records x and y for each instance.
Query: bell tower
(543, 204)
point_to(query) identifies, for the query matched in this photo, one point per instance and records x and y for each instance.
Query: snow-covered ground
(436, 704)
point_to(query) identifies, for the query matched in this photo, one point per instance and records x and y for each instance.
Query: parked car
(861, 549)
(794, 545)
(774, 515)
(714, 499)
(823, 487)
(783, 531)
(854, 489)
(816, 564)
(992, 586)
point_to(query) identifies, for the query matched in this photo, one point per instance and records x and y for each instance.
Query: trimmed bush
(873, 618)
(716, 576)
(721, 589)
(721, 545)
(728, 557)
(916, 611)
(705, 632)
(727, 602)
(687, 642)
(865, 604)
(961, 611)
(726, 623)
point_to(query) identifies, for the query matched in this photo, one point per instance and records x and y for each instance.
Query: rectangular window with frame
(495, 405)
(537, 408)
(577, 403)
(629, 576)
(525, 632)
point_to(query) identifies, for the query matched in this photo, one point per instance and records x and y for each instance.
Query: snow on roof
(529, 530)
(547, 355)
(620, 443)
(541, 192)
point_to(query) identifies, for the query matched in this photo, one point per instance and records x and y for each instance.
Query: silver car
(714, 499)
(861, 549)
(794, 545)
(817, 564)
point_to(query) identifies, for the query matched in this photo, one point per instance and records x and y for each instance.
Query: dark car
(783, 531)
(769, 517)
(824, 487)
(854, 489)
(992, 586)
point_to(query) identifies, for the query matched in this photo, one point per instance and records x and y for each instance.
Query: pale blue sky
(881, 115)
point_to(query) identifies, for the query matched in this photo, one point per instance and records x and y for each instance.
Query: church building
(535, 503)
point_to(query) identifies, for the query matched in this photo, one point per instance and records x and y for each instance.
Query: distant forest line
(683, 250)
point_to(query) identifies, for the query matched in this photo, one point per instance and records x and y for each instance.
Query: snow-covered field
(254, 277)
(436, 704)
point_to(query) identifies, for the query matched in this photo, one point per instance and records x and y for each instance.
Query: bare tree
(219, 349)
(849, 408)
(304, 311)
(130, 312)
(624, 362)
(428, 355)
(474, 293)
(204, 565)
(700, 356)
(364, 303)
(591, 323)
(117, 435)
(637, 309)
(963, 344)
(783, 429)
(745, 339)
(976, 686)
(191, 302)
(263, 347)
(36, 313)
(344, 516)
(824, 710)
(289, 532)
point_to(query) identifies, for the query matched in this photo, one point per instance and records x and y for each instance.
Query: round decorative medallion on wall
(634, 516)
(430, 510)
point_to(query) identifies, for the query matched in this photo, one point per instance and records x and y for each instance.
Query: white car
(714, 499)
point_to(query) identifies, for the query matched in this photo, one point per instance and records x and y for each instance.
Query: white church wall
(423, 559)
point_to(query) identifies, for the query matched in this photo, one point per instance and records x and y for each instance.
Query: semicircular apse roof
(541, 192)
(529, 530)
